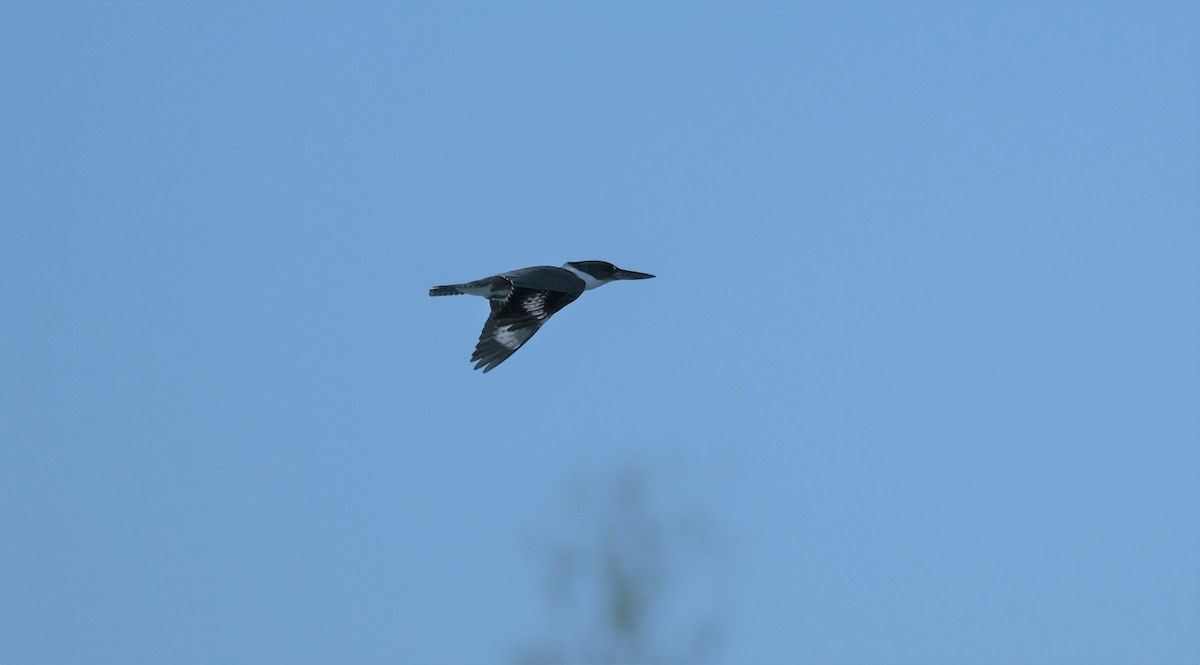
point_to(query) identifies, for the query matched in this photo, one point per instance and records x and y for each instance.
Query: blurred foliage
(628, 580)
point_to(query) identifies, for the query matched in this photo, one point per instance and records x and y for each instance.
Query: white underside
(589, 282)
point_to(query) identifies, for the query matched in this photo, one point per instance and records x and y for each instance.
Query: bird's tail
(451, 290)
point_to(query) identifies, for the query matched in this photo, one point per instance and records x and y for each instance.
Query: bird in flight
(523, 300)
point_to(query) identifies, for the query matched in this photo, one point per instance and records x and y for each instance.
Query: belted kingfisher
(523, 300)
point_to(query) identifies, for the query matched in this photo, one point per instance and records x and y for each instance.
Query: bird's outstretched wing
(513, 321)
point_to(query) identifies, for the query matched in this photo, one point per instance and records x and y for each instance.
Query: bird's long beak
(630, 274)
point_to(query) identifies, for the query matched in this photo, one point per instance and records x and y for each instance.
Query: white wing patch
(508, 338)
(535, 305)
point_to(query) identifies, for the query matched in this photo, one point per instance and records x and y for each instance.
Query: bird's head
(604, 272)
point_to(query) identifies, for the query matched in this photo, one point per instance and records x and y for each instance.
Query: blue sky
(923, 349)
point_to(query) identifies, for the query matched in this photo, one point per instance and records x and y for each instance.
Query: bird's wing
(513, 321)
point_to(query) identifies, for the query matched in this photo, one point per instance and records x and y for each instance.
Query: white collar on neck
(589, 282)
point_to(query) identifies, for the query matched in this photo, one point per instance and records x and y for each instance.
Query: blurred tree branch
(614, 585)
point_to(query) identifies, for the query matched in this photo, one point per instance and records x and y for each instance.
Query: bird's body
(523, 300)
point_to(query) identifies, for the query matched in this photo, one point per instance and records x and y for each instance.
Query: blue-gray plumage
(523, 300)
